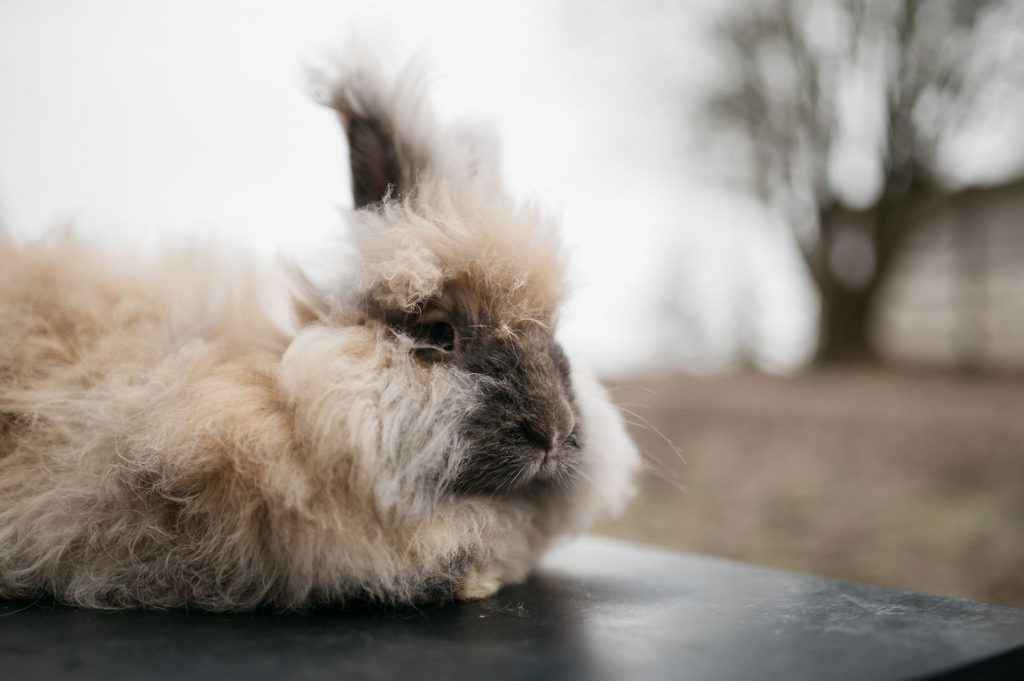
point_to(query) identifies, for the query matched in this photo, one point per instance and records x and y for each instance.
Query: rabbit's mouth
(551, 465)
(506, 466)
(547, 464)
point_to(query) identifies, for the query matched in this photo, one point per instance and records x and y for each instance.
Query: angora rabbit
(412, 434)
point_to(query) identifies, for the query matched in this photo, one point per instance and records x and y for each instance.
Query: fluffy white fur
(165, 442)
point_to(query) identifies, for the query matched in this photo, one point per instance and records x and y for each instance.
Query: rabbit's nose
(538, 435)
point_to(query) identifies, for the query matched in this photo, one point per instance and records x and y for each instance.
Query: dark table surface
(598, 609)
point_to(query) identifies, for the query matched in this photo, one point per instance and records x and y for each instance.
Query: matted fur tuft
(167, 438)
(444, 232)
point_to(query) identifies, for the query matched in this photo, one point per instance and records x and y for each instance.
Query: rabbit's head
(434, 372)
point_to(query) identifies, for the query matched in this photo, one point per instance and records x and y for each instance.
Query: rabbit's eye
(438, 334)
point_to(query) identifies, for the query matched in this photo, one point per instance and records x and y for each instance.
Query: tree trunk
(844, 326)
(847, 312)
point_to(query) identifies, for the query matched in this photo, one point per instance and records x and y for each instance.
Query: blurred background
(797, 227)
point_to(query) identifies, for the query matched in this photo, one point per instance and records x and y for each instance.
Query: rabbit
(410, 433)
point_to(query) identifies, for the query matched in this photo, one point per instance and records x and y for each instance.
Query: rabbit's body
(168, 439)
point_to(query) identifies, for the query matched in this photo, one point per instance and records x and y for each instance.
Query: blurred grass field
(904, 479)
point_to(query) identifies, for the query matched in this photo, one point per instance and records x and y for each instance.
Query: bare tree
(840, 114)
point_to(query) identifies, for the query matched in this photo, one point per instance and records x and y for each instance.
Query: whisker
(671, 480)
(657, 431)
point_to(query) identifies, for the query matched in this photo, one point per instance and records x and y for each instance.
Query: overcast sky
(149, 122)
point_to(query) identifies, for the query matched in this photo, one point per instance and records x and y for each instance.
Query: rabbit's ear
(374, 159)
(387, 131)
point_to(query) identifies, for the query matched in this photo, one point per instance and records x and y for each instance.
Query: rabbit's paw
(480, 582)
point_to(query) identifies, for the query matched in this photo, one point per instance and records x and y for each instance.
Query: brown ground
(902, 479)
